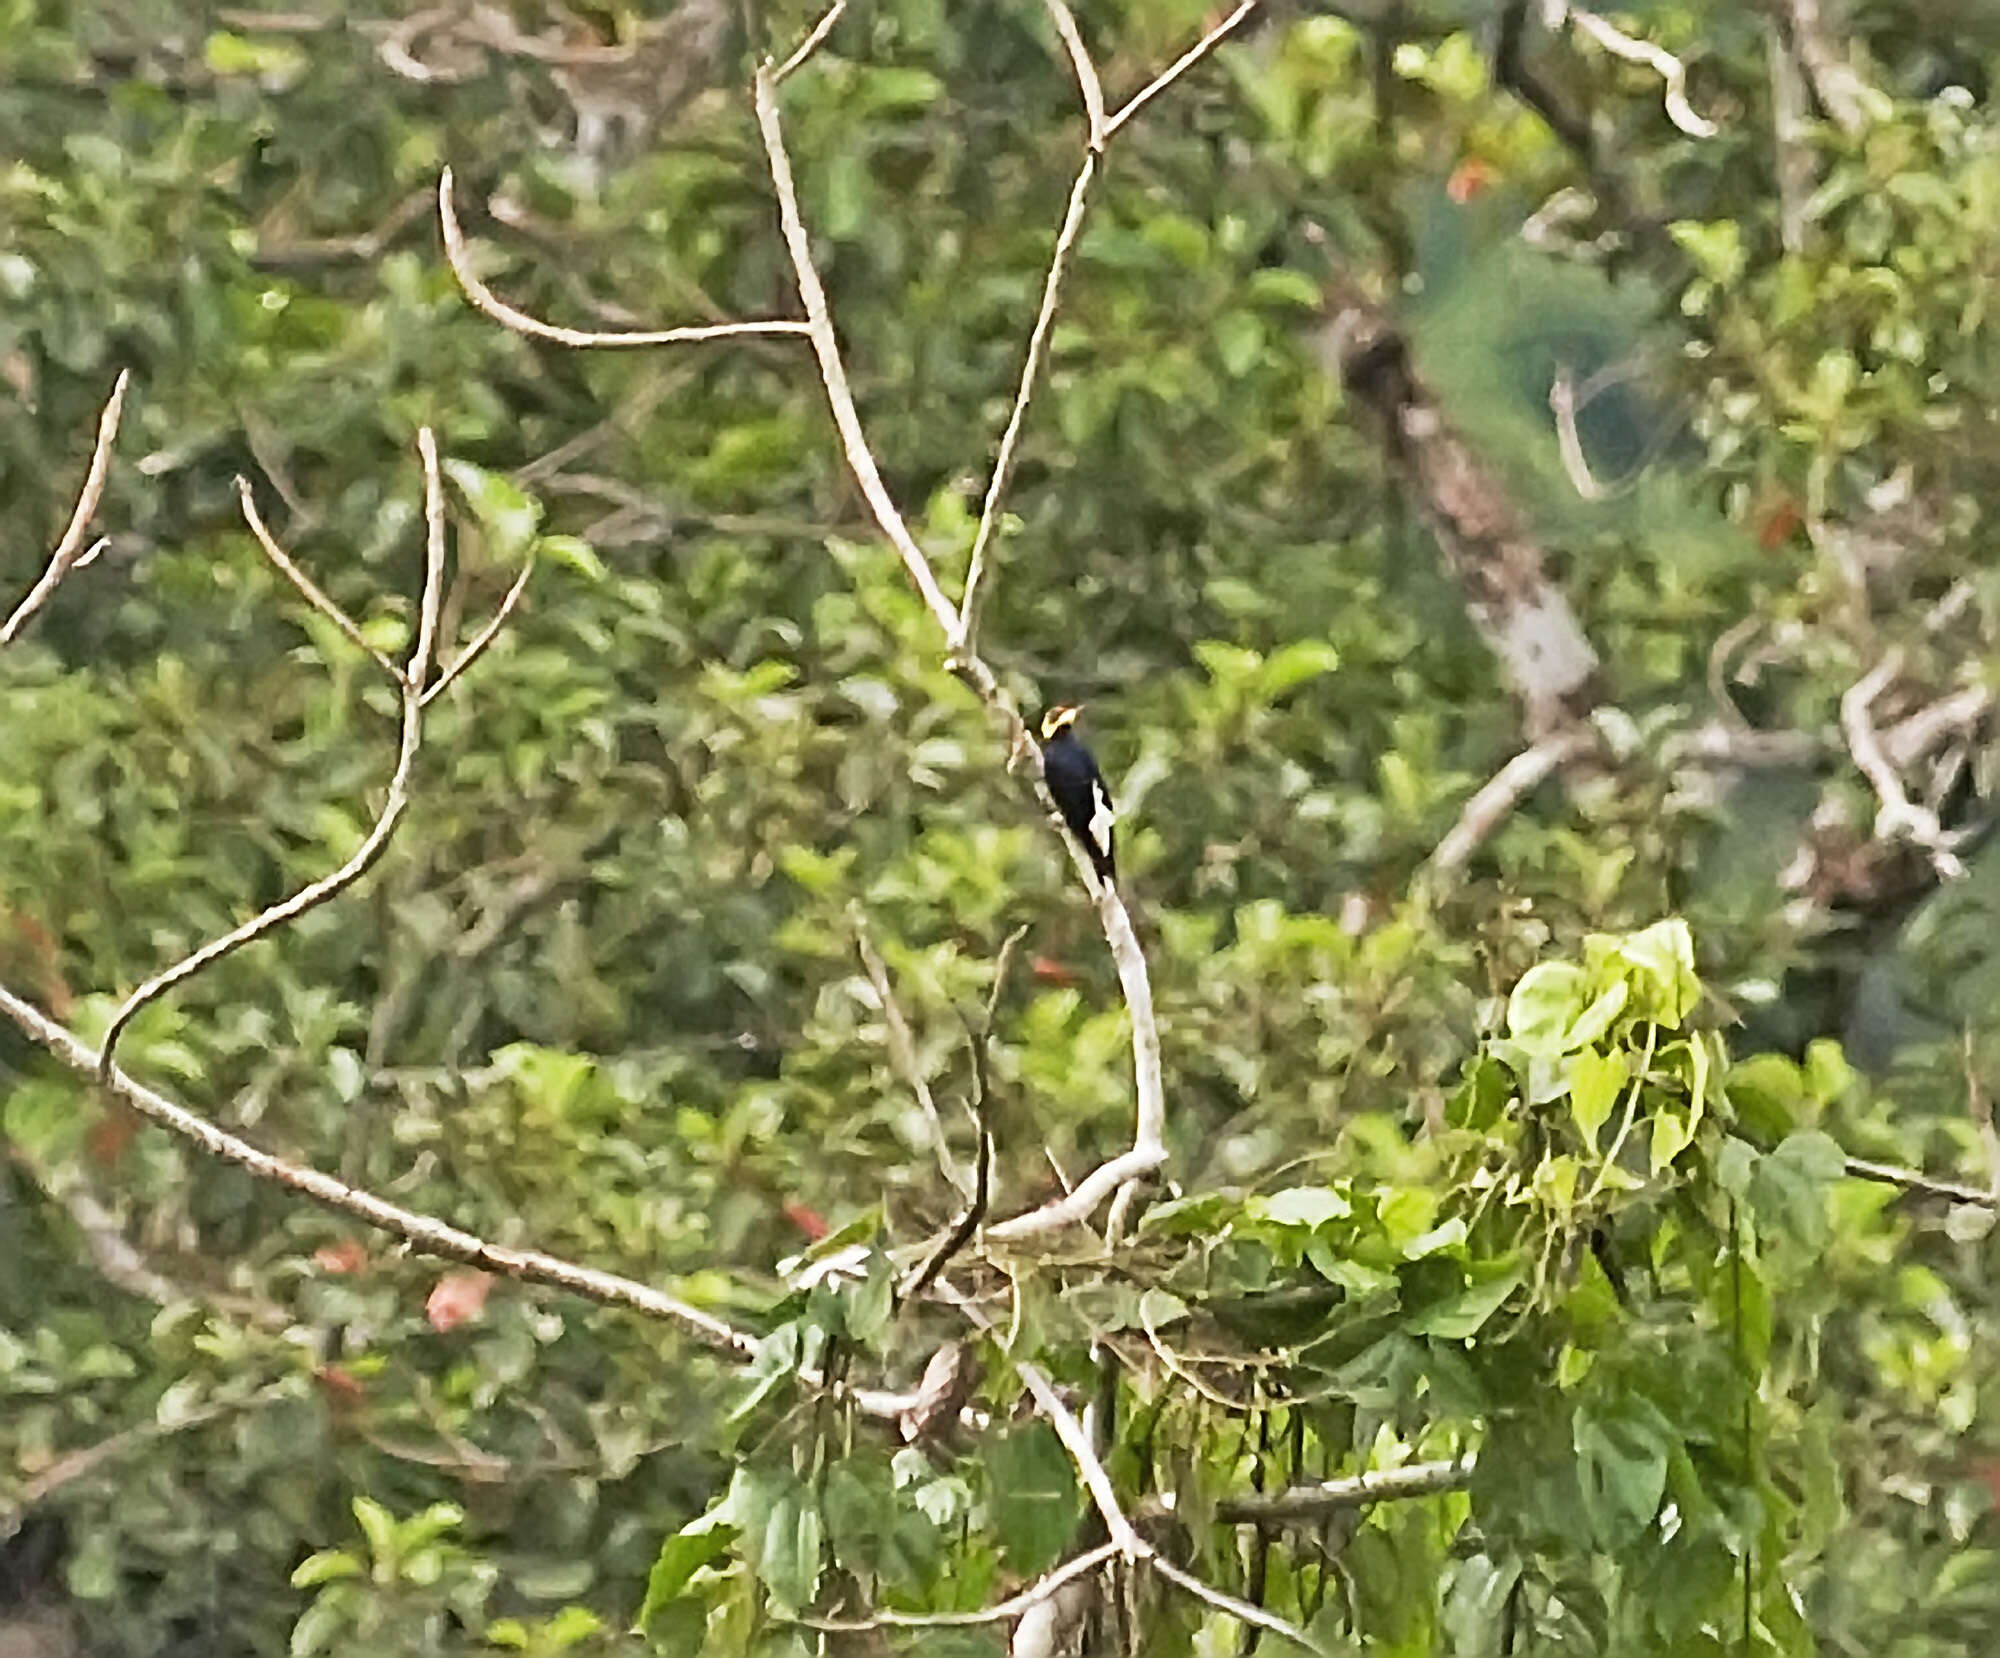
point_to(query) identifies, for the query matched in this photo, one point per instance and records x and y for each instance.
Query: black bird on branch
(1078, 788)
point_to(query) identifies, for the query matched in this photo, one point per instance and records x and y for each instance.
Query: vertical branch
(70, 553)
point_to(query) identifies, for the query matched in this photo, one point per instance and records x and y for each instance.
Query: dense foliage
(1543, 1157)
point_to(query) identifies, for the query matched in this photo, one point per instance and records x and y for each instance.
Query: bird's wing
(1103, 819)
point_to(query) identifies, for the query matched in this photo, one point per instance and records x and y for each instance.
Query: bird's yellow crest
(1059, 718)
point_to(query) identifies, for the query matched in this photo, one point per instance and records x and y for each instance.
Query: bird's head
(1059, 719)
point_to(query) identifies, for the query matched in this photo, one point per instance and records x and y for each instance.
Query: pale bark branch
(1663, 63)
(1316, 1501)
(313, 593)
(1899, 817)
(1236, 1606)
(421, 1232)
(1503, 791)
(1179, 67)
(491, 304)
(1148, 1150)
(1042, 1589)
(71, 553)
(486, 635)
(1914, 1180)
(811, 44)
(410, 682)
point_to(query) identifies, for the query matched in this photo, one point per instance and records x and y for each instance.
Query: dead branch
(311, 590)
(1914, 1180)
(1503, 791)
(815, 39)
(1521, 613)
(410, 682)
(1015, 1606)
(1838, 90)
(1149, 1150)
(1663, 63)
(1179, 67)
(71, 553)
(1899, 816)
(1315, 1502)
(424, 1233)
(485, 300)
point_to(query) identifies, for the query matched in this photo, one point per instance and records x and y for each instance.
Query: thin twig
(811, 44)
(1663, 63)
(1086, 71)
(424, 1233)
(410, 683)
(833, 372)
(1031, 367)
(425, 649)
(903, 1048)
(1899, 816)
(1913, 1180)
(71, 553)
(487, 634)
(313, 593)
(1179, 67)
(1503, 791)
(1315, 1501)
(1237, 1607)
(484, 299)
(1042, 1589)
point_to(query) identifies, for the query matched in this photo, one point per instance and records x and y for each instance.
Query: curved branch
(70, 553)
(484, 299)
(422, 1232)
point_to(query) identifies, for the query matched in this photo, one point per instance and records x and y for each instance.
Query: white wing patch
(1102, 819)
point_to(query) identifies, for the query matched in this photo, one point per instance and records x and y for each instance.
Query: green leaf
(1032, 1493)
(871, 1304)
(1790, 1187)
(1595, 1082)
(1664, 956)
(324, 1567)
(574, 552)
(1462, 1315)
(504, 510)
(1595, 1020)
(1307, 1206)
(781, 1532)
(1544, 1005)
(378, 1525)
(1622, 1467)
(1291, 666)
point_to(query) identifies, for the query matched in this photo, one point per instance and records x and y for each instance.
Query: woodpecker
(1078, 788)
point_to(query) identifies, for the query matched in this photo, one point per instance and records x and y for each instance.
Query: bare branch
(313, 593)
(1838, 88)
(811, 44)
(1503, 791)
(903, 1049)
(486, 635)
(1569, 441)
(421, 1232)
(393, 808)
(1899, 815)
(71, 553)
(1914, 1180)
(425, 649)
(1316, 1501)
(1086, 71)
(1180, 66)
(484, 299)
(833, 372)
(1042, 1589)
(1663, 63)
(1031, 367)
(1237, 1607)
(1080, 1204)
